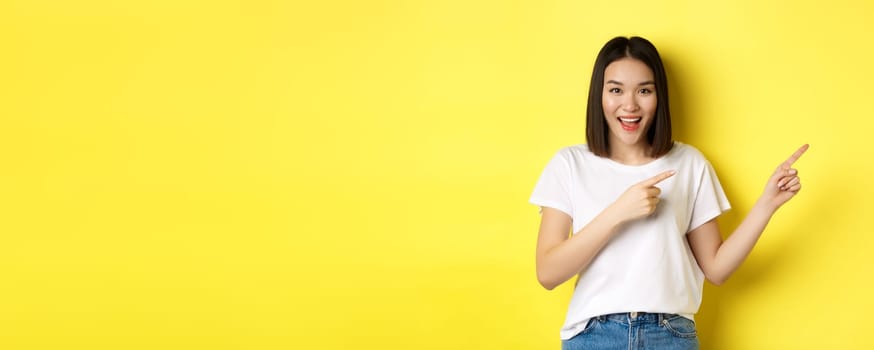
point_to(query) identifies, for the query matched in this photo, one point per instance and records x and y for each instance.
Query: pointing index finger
(792, 159)
(658, 178)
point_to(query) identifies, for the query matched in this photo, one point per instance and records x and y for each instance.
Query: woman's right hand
(639, 200)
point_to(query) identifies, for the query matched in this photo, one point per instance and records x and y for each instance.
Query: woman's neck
(630, 154)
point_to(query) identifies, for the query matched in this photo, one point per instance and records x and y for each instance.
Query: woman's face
(629, 101)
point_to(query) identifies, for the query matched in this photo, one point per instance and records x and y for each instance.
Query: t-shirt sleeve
(710, 200)
(554, 186)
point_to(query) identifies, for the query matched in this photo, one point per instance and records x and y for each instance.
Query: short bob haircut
(597, 132)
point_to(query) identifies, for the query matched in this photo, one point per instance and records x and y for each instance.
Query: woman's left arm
(720, 259)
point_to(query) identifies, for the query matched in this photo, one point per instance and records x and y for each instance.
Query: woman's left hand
(784, 183)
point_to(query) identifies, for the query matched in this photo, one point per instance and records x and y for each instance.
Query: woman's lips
(630, 123)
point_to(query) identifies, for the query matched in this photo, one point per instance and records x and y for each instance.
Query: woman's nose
(629, 104)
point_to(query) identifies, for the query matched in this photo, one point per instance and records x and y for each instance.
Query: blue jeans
(636, 330)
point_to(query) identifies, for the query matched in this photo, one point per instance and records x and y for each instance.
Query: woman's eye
(645, 91)
(615, 90)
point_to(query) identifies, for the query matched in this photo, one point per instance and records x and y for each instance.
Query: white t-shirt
(648, 265)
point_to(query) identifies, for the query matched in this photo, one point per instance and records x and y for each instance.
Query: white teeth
(630, 120)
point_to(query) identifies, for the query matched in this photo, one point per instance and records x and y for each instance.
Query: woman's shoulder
(688, 154)
(685, 150)
(579, 149)
(574, 153)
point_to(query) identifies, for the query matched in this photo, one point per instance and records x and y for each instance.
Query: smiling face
(629, 101)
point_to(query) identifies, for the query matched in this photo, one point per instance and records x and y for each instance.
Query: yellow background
(355, 174)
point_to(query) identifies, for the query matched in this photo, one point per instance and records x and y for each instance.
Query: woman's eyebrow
(648, 82)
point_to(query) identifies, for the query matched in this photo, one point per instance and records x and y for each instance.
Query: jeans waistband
(637, 317)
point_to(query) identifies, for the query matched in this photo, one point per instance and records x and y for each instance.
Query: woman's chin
(627, 139)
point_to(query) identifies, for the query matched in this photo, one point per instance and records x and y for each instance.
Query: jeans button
(634, 315)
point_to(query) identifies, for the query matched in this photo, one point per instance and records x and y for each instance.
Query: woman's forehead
(627, 70)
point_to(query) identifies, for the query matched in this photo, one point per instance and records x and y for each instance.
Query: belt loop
(661, 317)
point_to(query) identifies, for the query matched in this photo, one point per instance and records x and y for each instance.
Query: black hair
(659, 134)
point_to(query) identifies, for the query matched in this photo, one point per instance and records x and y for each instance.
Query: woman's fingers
(784, 175)
(794, 157)
(785, 183)
(783, 172)
(656, 179)
(791, 182)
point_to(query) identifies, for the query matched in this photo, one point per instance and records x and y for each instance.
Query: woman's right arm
(559, 258)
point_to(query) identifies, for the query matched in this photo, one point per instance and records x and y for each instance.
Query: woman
(642, 211)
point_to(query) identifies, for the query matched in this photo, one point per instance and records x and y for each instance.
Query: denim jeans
(636, 330)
